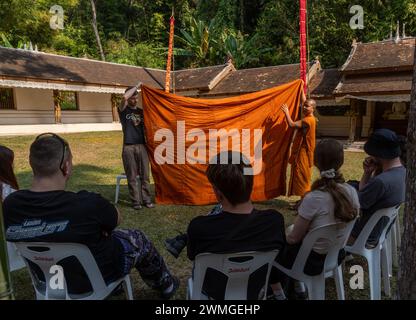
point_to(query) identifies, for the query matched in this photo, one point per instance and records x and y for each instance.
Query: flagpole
(170, 51)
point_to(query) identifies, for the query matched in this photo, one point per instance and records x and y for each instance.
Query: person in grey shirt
(383, 182)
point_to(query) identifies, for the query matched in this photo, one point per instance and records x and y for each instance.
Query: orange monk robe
(301, 158)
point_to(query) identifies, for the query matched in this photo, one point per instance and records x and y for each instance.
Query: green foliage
(158, 28)
(200, 42)
(244, 52)
(253, 32)
(226, 16)
(140, 54)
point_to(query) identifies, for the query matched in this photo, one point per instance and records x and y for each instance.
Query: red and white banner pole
(170, 51)
(303, 42)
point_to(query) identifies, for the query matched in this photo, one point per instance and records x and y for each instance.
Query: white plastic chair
(395, 238)
(46, 255)
(392, 246)
(337, 234)
(377, 257)
(118, 179)
(16, 261)
(237, 272)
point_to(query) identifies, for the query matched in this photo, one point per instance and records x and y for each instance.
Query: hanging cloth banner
(170, 51)
(184, 133)
(303, 42)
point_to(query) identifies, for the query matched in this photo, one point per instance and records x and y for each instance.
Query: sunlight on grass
(97, 161)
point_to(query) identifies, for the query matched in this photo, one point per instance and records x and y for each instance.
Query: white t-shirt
(318, 207)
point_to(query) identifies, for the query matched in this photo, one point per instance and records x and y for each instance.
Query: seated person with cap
(383, 182)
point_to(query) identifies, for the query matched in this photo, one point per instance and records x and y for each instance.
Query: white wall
(33, 99)
(13, 117)
(86, 117)
(89, 101)
(36, 106)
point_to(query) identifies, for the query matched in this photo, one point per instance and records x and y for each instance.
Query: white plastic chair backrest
(15, 260)
(237, 272)
(335, 233)
(45, 255)
(390, 213)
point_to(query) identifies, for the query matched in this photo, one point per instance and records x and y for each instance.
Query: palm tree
(199, 43)
(4, 41)
(243, 51)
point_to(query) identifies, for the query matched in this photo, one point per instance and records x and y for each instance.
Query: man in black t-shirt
(135, 157)
(238, 227)
(48, 213)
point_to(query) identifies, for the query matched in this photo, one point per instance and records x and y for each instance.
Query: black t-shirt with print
(262, 230)
(62, 216)
(133, 125)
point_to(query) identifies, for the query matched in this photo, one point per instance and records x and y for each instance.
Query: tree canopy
(253, 33)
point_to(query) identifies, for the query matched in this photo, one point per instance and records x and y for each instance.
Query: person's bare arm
(300, 229)
(290, 122)
(127, 96)
(122, 105)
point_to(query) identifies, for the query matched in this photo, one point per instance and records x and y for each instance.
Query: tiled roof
(381, 56)
(16, 63)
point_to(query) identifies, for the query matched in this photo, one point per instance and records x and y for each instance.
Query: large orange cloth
(178, 132)
(301, 159)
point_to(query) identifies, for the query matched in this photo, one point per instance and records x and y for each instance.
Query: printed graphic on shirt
(135, 118)
(34, 228)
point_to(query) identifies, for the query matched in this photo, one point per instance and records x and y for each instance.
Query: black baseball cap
(383, 144)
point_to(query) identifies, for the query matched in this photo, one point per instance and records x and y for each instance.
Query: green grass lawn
(97, 161)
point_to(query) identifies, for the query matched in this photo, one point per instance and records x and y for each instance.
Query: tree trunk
(407, 266)
(94, 25)
(242, 16)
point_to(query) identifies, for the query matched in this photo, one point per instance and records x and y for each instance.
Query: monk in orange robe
(301, 158)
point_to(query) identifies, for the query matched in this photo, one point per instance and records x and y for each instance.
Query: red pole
(303, 42)
(169, 62)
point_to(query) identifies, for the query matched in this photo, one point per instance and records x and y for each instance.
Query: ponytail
(343, 206)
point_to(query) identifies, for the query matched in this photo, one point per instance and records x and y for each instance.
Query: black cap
(383, 144)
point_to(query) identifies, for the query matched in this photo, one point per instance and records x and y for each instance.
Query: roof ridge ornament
(397, 39)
